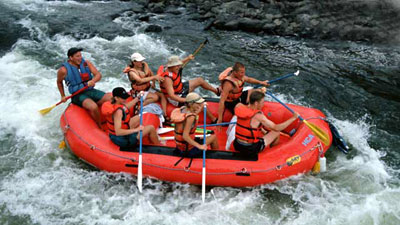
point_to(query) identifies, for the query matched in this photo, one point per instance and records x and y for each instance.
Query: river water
(355, 84)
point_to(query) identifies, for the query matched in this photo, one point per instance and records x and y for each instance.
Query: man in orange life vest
(232, 91)
(175, 90)
(78, 74)
(249, 139)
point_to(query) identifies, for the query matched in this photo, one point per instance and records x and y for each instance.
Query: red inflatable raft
(295, 154)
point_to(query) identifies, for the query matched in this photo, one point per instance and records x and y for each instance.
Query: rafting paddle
(322, 135)
(139, 181)
(203, 178)
(47, 110)
(197, 51)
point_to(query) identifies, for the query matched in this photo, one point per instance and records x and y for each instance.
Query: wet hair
(237, 66)
(256, 96)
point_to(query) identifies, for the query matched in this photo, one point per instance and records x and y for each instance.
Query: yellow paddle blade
(317, 168)
(62, 145)
(46, 110)
(322, 135)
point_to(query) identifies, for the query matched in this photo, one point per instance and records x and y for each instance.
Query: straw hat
(174, 61)
(193, 97)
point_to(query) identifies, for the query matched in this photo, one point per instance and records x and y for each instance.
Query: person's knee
(149, 129)
(200, 80)
(90, 105)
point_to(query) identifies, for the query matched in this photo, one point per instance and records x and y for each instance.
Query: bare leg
(134, 122)
(272, 138)
(210, 115)
(105, 98)
(151, 131)
(93, 109)
(193, 84)
(163, 101)
(213, 140)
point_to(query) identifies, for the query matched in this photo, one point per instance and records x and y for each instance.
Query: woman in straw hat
(186, 119)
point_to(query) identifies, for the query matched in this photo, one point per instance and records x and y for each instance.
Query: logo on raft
(308, 139)
(293, 160)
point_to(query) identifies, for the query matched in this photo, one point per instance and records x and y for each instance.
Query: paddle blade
(317, 168)
(62, 145)
(46, 110)
(322, 135)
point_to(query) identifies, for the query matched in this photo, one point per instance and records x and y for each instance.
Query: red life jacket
(138, 87)
(179, 118)
(244, 131)
(108, 109)
(238, 84)
(176, 81)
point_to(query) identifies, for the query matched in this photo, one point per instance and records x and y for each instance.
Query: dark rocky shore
(364, 20)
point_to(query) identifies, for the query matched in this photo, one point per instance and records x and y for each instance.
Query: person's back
(249, 139)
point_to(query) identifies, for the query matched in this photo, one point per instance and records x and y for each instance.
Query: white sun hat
(137, 57)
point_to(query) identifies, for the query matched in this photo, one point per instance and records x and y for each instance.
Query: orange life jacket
(238, 84)
(176, 81)
(244, 131)
(179, 118)
(138, 87)
(108, 109)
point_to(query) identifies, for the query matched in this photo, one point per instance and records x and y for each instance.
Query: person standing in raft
(140, 76)
(186, 119)
(175, 90)
(232, 83)
(249, 139)
(122, 128)
(79, 73)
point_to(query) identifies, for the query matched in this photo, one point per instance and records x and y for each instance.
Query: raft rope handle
(320, 149)
(66, 128)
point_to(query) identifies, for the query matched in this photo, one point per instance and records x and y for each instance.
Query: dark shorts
(194, 152)
(185, 89)
(93, 94)
(249, 149)
(231, 105)
(125, 141)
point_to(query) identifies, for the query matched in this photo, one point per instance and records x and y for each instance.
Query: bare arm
(61, 73)
(187, 59)
(255, 81)
(226, 88)
(137, 78)
(117, 117)
(132, 103)
(95, 72)
(148, 71)
(170, 90)
(276, 127)
(186, 132)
